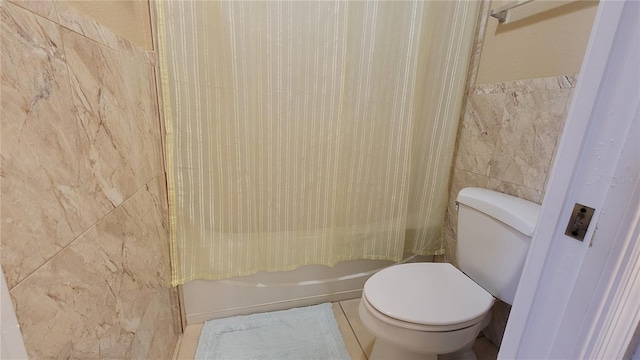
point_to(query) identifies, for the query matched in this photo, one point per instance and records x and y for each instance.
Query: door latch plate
(579, 221)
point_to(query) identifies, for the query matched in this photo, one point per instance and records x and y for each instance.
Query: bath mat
(301, 333)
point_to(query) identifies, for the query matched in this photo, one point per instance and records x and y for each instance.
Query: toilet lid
(427, 293)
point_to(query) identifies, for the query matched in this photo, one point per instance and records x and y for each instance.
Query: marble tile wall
(84, 229)
(506, 142)
(507, 139)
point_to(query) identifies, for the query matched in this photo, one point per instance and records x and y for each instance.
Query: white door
(581, 299)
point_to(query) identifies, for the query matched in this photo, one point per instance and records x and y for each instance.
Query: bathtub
(309, 285)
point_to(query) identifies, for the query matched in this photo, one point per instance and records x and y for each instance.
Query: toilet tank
(494, 233)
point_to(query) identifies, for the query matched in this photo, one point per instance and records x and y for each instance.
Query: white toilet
(420, 310)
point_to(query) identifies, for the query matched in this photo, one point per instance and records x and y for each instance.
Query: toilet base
(466, 353)
(384, 350)
(397, 342)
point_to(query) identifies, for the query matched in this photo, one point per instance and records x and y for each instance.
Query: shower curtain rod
(504, 15)
(502, 12)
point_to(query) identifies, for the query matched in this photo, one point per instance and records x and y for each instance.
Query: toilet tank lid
(518, 213)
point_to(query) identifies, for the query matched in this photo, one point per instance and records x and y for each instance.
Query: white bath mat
(301, 333)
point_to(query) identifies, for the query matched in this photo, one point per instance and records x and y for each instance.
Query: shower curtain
(308, 132)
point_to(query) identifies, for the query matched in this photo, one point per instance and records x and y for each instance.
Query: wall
(519, 88)
(506, 142)
(507, 139)
(547, 43)
(84, 215)
(129, 19)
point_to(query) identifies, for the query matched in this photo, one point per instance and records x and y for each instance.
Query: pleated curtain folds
(308, 132)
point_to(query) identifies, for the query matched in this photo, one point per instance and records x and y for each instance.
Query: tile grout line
(352, 330)
(176, 349)
(68, 73)
(99, 42)
(82, 233)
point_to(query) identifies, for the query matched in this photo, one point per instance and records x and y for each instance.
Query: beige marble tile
(515, 190)
(484, 349)
(44, 8)
(105, 295)
(507, 140)
(79, 137)
(478, 132)
(526, 85)
(460, 179)
(499, 316)
(189, 342)
(365, 338)
(114, 97)
(350, 340)
(155, 338)
(526, 140)
(487, 89)
(67, 160)
(48, 195)
(548, 83)
(451, 246)
(75, 20)
(176, 350)
(149, 260)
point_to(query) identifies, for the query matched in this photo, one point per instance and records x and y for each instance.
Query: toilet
(434, 310)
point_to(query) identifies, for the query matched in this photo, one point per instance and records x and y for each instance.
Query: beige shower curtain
(308, 132)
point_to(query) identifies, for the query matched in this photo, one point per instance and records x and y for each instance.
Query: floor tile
(484, 349)
(358, 340)
(189, 342)
(365, 338)
(350, 340)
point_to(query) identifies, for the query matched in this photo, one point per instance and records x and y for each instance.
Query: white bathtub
(313, 284)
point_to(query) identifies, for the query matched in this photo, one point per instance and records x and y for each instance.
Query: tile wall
(506, 142)
(507, 139)
(84, 229)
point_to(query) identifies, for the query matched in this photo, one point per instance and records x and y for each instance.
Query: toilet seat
(426, 297)
(417, 327)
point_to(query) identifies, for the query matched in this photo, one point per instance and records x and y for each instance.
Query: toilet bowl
(396, 341)
(422, 310)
